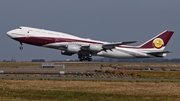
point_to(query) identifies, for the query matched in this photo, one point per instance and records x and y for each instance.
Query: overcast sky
(105, 20)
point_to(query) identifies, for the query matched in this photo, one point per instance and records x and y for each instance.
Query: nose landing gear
(21, 47)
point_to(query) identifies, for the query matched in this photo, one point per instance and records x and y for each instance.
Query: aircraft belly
(115, 54)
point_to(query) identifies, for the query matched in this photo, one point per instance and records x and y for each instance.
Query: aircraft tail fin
(158, 42)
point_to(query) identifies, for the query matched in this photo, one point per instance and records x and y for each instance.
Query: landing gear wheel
(81, 58)
(89, 59)
(85, 57)
(21, 48)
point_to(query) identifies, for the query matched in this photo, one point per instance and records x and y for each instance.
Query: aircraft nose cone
(9, 33)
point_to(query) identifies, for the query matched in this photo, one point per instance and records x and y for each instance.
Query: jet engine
(66, 53)
(71, 49)
(95, 47)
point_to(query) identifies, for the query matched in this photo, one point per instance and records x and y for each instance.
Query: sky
(105, 20)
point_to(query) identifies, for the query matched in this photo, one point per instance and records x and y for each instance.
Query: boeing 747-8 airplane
(86, 48)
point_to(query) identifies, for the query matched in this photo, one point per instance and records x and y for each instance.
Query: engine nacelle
(70, 50)
(73, 48)
(66, 53)
(95, 47)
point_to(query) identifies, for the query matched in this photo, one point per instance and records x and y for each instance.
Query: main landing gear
(21, 47)
(85, 57)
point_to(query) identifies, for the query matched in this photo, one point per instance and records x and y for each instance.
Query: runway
(93, 72)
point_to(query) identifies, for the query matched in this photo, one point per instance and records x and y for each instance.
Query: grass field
(48, 90)
(26, 90)
(158, 74)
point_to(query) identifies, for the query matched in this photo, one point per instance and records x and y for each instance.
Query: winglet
(158, 41)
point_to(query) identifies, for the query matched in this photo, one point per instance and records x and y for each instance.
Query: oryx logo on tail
(158, 43)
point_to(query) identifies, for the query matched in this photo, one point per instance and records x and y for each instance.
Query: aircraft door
(27, 34)
(56, 40)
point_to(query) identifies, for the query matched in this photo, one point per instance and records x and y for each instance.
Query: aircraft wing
(112, 45)
(57, 46)
(109, 45)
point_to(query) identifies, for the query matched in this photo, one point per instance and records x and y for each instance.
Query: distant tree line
(110, 60)
(139, 60)
(127, 60)
(37, 60)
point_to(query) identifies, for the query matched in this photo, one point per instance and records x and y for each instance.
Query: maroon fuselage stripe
(40, 41)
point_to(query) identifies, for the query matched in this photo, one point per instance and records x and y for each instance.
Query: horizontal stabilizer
(159, 54)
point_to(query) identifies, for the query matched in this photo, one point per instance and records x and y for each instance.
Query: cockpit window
(19, 28)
